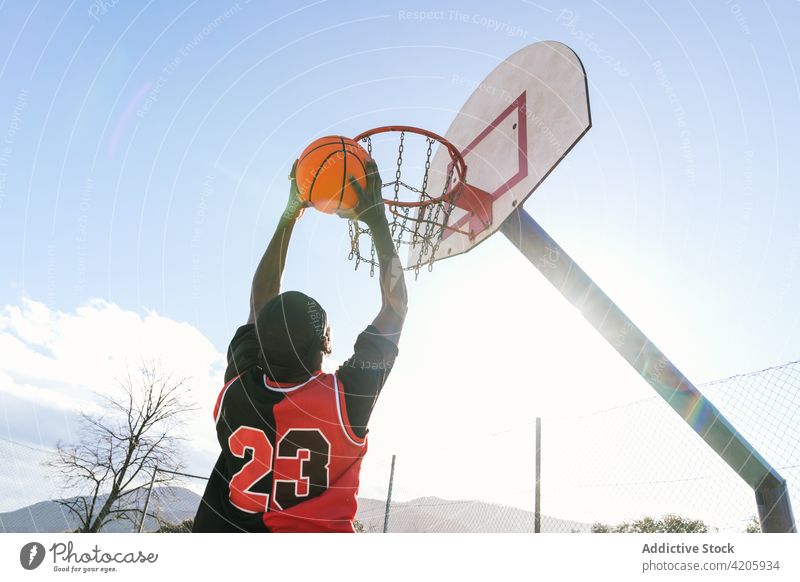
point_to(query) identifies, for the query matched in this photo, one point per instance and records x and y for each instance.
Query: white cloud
(64, 360)
(37, 394)
(458, 408)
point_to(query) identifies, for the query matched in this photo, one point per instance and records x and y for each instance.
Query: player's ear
(327, 343)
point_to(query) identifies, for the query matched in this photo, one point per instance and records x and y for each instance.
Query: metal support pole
(388, 498)
(774, 508)
(537, 516)
(633, 345)
(147, 499)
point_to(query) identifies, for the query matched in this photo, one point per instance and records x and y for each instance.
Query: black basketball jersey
(291, 453)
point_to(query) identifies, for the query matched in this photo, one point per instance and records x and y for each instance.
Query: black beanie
(290, 330)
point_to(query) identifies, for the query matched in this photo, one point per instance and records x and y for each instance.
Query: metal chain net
(421, 228)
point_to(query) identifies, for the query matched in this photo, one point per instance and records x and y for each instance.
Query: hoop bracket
(478, 203)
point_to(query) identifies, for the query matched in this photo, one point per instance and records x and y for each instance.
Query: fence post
(147, 499)
(388, 498)
(537, 516)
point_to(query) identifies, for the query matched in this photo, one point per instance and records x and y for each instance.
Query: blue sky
(147, 148)
(109, 190)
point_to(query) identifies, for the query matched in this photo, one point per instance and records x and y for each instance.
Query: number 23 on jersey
(301, 467)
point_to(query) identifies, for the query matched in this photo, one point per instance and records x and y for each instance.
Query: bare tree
(119, 450)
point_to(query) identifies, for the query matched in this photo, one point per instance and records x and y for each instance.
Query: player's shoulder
(322, 381)
(235, 383)
(243, 370)
(245, 337)
(316, 379)
(329, 379)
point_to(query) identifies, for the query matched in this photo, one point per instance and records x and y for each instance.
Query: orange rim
(459, 165)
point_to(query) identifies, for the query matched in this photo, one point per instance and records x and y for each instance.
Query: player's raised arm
(267, 278)
(370, 211)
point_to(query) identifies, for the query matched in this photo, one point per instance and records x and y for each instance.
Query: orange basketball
(323, 171)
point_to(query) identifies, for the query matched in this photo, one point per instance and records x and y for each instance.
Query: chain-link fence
(26, 486)
(611, 469)
(605, 471)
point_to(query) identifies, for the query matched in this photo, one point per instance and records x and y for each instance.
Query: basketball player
(293, 437)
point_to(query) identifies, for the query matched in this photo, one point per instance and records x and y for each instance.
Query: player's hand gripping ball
(323, 172)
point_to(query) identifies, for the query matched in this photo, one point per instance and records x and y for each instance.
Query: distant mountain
(435, 515)
(423, 515)
(172, 504)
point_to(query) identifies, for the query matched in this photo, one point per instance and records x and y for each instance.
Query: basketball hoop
(419, 217)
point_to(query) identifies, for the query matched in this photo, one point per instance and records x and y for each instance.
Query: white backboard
(517, 125)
